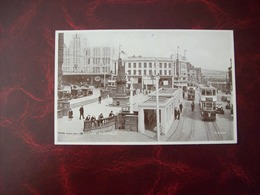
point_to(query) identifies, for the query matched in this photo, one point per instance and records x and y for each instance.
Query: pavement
(71, 131)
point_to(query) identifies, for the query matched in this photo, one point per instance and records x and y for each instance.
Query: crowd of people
(94, 121)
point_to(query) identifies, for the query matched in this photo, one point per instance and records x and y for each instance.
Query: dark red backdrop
(31, 164)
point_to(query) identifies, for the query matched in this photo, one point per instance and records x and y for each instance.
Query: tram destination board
(169, 95)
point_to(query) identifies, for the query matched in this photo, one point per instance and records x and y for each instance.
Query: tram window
(209, 105)
(214, 105)
(208, 92)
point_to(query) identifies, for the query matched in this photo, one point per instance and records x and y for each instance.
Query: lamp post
(104, 80)
(157, 109)
(157, 102)
(131, 95)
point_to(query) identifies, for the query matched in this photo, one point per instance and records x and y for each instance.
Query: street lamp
(131, 95)
(157, 109)
(157, 102)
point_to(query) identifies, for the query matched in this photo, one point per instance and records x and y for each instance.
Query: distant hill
(213, 73)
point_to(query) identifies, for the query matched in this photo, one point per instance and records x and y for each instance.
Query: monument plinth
(121, 99)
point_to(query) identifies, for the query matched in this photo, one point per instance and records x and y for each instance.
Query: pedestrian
(111, 114)
(99, 99)
(181, 107)
(192, 106)
(100, 119)
(70, 114)
(175, 113)
(81, 112)
(88, 118)
(178, 113)
(93, 121)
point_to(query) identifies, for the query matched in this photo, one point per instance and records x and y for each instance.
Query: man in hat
(81, 112)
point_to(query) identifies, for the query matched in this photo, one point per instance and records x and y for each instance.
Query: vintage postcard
(145, 87)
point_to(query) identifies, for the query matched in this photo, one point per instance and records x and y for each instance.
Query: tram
(207, 102)
(191, 91)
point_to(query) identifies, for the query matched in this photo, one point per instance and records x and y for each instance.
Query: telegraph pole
(157, 109)
(131, 95)
(157, 103)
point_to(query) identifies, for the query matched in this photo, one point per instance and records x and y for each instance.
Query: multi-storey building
(181, 76)
(172, 72)
(194, 74)
(142, 68)
(83, 63)
(95, 65)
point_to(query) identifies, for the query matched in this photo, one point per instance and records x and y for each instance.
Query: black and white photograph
(145, 87)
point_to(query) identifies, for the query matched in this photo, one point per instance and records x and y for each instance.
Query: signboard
(209, 99)
(97, 78)
(149, 80)
(165, 82)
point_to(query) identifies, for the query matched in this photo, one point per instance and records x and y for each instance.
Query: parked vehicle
(228, 106)
(219, 109)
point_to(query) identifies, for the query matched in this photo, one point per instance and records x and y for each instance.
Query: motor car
(228, 106)
(219, 109)
(224, 98)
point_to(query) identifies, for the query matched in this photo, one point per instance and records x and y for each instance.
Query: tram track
(179, 134)
(212, 131)
(217, 131)
(207, 130)
(192, 126)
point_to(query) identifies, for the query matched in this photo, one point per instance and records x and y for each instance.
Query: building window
(96, 51)
(144, 72)
(170, 72)
(129, 72)
(150, 72)
(160, 72)
(160, 64)
(165, 65)
(150, 65)
(134, 65)
(145, 65)
(139, 72)
(129, 65)
(139, 65)
(134, 72)
(165, 72)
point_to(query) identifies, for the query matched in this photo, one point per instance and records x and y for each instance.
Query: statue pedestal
(63, 107)
(120, 98)
(122, 101)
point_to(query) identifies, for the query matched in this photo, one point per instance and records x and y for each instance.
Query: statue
(120, 98)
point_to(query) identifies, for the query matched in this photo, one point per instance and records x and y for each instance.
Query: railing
(100, 124)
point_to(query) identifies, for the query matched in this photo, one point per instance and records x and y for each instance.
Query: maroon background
(31, 164)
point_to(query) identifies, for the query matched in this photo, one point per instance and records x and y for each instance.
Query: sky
(208, 49)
